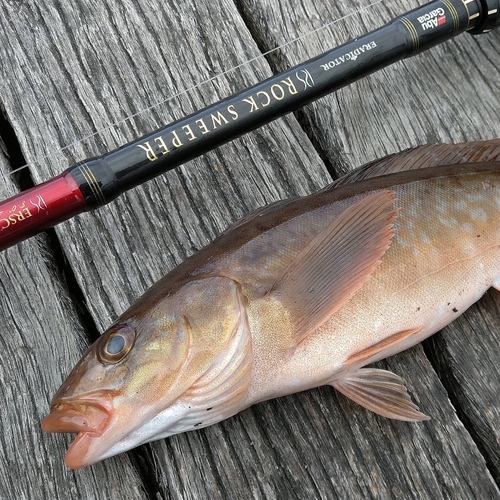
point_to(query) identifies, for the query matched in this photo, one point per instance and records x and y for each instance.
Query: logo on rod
(433, 19)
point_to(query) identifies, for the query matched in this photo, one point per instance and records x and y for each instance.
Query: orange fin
(380, 391)
(335, 263)
(431, 155)
(366, 355)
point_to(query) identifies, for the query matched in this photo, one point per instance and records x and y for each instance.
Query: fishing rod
(95, 182)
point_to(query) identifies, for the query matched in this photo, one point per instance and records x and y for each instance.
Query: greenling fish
(302, 293)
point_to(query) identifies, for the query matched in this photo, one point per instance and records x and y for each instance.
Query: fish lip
(89, 416)
(89, 413)
(78, 416)
(77, 455)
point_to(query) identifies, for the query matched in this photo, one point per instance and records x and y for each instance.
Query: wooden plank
(148, 220)
(445, 95)
(320, 445)
(297, 446)
(111, 254)
(40, 330)
(464, 355)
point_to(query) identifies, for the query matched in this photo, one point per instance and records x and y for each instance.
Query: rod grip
(39, 208)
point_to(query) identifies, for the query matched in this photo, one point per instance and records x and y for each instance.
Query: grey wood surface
(70, 69)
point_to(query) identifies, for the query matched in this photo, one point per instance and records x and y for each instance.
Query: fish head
(141, 366)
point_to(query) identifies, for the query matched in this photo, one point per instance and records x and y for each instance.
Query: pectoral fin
(380, 391)
(336, 263)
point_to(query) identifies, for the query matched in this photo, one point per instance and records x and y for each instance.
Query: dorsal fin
(431, 155)
(259, 212)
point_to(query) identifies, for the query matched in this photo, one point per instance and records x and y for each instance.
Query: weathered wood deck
(71, 68)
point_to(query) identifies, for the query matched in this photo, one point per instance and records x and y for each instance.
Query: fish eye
(115, 346)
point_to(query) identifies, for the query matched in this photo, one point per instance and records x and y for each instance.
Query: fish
(302, 293)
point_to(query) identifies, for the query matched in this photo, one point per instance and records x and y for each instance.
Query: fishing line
(94, 182)
(191, 89)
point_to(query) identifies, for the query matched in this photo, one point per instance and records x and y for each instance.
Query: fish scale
(417, 285)
(303, 293)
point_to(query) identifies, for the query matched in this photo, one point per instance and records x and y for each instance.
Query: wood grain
(41, 339)
(71, 69)
(464, 355)
(445, 95)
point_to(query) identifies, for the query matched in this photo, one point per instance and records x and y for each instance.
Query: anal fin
(366, 356)
(380, 391)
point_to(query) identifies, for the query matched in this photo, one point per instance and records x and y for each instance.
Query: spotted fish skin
(302, 293)
(445, 253)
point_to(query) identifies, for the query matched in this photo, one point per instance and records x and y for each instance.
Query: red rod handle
(39, 208)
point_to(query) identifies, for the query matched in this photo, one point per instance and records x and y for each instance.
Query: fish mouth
(89, 417)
